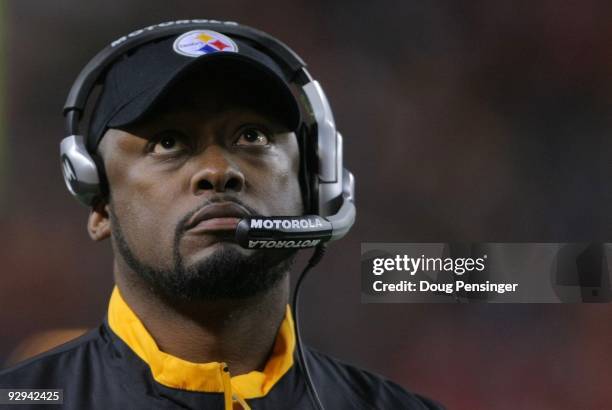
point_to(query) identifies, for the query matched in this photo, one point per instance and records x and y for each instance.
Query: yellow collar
(177, 373)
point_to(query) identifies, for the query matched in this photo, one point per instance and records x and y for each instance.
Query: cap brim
(141, 104)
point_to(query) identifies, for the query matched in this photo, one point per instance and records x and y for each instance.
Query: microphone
(306, 231)
(277, 232)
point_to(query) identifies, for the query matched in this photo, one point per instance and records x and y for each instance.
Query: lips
(219, 216)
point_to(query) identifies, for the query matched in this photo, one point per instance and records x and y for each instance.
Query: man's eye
(168, 144)
(252, 136)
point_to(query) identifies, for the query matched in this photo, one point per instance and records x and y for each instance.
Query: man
(190, 138)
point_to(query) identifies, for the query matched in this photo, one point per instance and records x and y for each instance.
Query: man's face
(207, 150)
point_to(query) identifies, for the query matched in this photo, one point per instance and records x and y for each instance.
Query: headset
(328, 188)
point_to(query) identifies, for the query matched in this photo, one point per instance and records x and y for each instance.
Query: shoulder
(365, 390)
(54, 366)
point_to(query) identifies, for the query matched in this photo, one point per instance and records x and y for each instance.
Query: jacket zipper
(229, 397)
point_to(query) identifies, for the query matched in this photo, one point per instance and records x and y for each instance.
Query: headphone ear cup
(79, 169)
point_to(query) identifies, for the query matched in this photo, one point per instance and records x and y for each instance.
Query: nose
(216, 173)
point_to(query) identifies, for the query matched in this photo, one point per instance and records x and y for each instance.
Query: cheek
(287, 187)
(144, 210)
(277, 185)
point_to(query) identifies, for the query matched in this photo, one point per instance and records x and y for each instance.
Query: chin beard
(225, 274)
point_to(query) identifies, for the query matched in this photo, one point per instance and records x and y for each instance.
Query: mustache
(181, 225)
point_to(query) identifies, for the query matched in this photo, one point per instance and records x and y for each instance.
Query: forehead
(195, 100)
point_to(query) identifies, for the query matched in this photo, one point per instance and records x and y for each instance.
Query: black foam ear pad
(308, 169)
(103, 185)
(305, 173)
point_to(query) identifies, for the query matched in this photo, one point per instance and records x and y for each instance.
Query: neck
(240, 333)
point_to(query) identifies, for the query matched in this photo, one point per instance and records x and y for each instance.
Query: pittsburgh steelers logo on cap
(199, 42)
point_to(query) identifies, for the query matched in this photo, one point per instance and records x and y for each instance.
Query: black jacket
(99, 370)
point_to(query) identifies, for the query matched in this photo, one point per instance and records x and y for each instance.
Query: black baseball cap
(141, 77)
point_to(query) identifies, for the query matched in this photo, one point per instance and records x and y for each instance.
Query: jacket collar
(174, 372)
